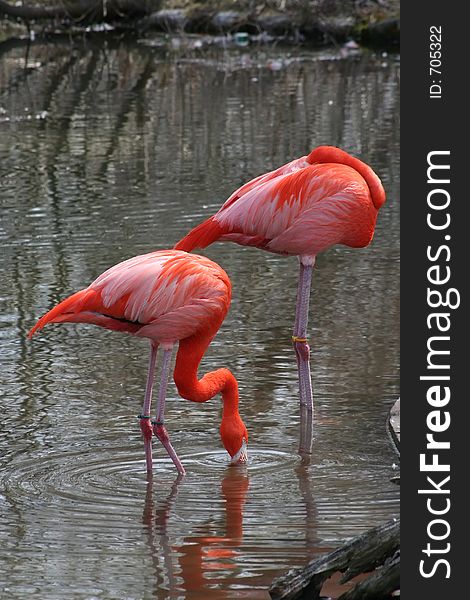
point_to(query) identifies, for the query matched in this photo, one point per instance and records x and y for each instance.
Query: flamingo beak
(241, 456)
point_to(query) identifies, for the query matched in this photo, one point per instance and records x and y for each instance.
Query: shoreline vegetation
(313, 22)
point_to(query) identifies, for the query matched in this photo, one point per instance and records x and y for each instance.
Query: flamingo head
(235, 438)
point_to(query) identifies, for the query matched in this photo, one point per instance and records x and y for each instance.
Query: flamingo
(167, 296)
(302, 208)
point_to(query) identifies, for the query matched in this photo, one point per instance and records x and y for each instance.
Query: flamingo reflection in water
(194, 564)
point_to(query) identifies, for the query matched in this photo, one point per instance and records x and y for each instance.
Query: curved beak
(241, 456)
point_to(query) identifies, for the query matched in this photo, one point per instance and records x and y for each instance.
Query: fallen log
(376, 549)
(380, 585)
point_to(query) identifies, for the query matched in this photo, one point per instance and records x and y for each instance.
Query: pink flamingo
(166, 296)
(301, 208)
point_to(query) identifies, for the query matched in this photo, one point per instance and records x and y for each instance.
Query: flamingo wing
(290, 167)
(302, 212)
(303, 207)
(164, 295)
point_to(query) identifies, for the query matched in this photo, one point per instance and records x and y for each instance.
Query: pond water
(113, 149)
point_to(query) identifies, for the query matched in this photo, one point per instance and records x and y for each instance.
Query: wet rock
(338, 26)
(386, 31)
(277, 24)
(167, 20)
(227, 20)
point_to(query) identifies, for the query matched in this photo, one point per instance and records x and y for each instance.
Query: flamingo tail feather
(66, 309)
(201, 236)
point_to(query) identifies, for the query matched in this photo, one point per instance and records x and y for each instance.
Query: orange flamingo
(301, 208)
(166, 296)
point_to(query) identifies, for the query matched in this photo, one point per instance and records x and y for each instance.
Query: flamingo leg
(145, 425)
(159, 428)
(302, 349)
(306, 435)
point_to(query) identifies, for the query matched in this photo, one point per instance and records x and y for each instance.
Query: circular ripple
(114, 478)
(258, 460)
(87, 482)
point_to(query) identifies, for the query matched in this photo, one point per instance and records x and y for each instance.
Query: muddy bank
(318, 22)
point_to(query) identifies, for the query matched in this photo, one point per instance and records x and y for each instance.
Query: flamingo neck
(331, 154)
(190, 353)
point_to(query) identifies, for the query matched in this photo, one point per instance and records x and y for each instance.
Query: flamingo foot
(161, 433)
